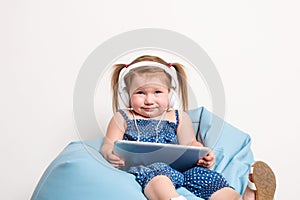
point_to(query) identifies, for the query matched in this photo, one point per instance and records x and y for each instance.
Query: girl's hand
(208, 161)
(114, 160)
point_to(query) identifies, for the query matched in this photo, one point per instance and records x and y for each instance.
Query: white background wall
(254, 45)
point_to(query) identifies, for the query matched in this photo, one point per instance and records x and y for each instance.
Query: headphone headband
(168, 69)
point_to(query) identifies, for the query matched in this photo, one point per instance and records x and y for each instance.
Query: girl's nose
(149, 99)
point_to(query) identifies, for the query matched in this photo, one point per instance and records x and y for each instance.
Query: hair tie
(170, 64)
(126, 65)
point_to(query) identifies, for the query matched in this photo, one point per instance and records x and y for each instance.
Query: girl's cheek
(135, 101)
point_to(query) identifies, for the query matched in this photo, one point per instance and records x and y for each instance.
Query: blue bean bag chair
(80, 172)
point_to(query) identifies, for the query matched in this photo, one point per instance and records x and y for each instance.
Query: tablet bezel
(179, 157)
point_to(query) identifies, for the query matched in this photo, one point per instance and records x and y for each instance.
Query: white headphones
(123, 94)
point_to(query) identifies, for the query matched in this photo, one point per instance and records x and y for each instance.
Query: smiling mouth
(148, 109)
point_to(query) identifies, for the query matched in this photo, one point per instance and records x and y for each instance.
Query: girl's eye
(139, 92)
(158, 91)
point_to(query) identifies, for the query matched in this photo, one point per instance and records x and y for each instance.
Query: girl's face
(149, 96)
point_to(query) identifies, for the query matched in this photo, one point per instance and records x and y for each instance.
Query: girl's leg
(160, 188)
(158, 180)
(205, 183)
(249, 194)
(226, 193)
(230, 194)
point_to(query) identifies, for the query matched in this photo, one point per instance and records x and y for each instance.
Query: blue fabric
(166, 130)
(145, 173)
(203, 182)
(80, 172)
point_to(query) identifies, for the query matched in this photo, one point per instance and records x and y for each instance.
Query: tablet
(179, 157)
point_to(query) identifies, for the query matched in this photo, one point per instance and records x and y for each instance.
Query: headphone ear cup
(173, 99)
(124, 96)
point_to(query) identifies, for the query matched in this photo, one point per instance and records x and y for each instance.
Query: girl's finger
(113, 157)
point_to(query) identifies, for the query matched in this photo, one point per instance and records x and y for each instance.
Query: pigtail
(182, 84)
(115, 85)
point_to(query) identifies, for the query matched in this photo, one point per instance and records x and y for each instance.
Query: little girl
(148, 87)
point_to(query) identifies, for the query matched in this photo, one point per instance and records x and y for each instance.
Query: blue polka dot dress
(198, 180)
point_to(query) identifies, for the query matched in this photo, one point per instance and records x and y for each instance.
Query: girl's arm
(186, 136)
(185, 131)
(115, 131)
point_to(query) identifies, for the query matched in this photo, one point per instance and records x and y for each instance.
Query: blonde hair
(181, 76)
